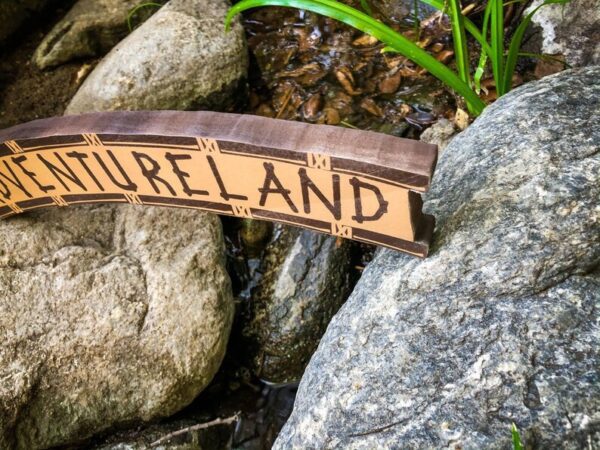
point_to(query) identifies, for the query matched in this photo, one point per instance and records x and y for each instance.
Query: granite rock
(571, 30)
(499, 324)
(107, 316)
(440, 134)
(306, 278)
(91, 28)
(181, 58)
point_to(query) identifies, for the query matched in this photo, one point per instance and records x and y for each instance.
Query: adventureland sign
(349, 183)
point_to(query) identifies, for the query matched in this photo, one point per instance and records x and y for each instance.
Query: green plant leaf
(469, 26)
(417, 24)
(497, 40)
(483, 57)
(515, 44)
(385, 34)
(136, 9)
(545, 57)
(364, 4)
(480, 71)
(516, 438)
(460, 40)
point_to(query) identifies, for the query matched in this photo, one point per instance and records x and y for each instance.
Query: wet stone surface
(314, 69)
(305, 277)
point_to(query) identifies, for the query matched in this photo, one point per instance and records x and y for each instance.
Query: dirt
(28, 93)
(310, 68)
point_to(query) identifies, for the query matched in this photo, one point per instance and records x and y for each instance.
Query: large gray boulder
(571, 30)
(181, 58)
(499, 324)
(90, 28)
(107, 316)
(306, 278)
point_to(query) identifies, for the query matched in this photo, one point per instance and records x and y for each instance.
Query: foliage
(490, 37)
(516, 438)
(134, 10)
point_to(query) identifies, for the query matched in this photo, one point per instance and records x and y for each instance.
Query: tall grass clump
(464, 81)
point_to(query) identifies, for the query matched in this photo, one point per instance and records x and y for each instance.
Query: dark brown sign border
(401, 162)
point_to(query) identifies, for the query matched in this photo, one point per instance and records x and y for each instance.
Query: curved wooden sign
(355, 184)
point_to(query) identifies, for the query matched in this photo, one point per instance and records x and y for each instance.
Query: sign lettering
(348, 183)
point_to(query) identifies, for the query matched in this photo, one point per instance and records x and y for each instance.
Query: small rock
(90, 28)
(255, 235)
(107, 316)
(499, 324)
(306, 277)
(572, 30)
(180, 58)
(440, 134)
(461, 119)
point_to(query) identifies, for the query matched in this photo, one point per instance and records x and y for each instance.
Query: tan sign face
(316, 186)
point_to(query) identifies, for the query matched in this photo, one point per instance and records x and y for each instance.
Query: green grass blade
(364, 4)
(416, 20)
(546, 58)
(480, 71)
(497, 39)
(366, 24)
(516, 438)
(469, 26)
(483, 57)
(136, 9)
(515, 44)
(460, 41)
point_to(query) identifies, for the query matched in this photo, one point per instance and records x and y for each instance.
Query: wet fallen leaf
(271, 58)
(489, 96)
(390, 83)
(265, 110)
(312, 107)
(340, 76)
(368, 104)
(445, 56)
(345, 78)
(341, 102)
(410, 71)
(366, 40)
(307, 39)
(405, 109)
(294, 73)
(307, 75)
(331, 116)
(437, 47)
(488, 84)
(393, 61)
(423, 43)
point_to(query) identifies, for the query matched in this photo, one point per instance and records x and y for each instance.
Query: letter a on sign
(349, 183)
